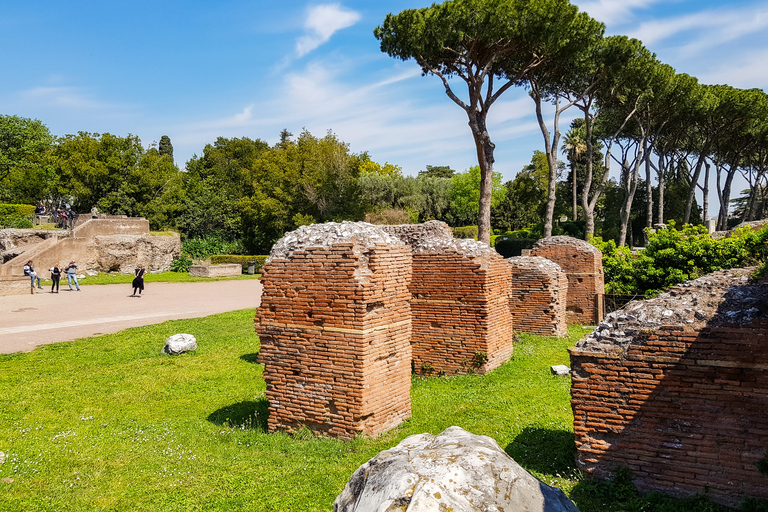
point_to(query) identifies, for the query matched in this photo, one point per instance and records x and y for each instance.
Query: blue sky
(197, 70)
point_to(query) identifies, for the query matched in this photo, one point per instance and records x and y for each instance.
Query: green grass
(109, 423)
(162, 277)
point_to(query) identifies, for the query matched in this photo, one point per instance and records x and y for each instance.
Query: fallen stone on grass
(560, 369)
(456, 471)
(179, 343)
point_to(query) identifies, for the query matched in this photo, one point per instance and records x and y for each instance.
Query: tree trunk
(631, 188)
(550, 144)
(692, 190)
(662, 184)
(485, 159)
(705, 191)
(575, 207)
(649, 193)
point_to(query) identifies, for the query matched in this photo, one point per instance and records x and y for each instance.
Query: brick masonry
(537, 296)
(583, 265)
(676, 389)
(335, 324)
(460, 307)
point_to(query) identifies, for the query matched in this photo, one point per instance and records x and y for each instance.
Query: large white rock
(179, 343)
(456, 471)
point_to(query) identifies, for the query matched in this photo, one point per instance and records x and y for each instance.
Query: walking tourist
(55, 277)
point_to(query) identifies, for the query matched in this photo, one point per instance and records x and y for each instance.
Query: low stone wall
(583, 264)
(334, 324)
(16, 286)
(223, 270)
(676, 389)
(460, 307)
(117, 225)
(537, 296)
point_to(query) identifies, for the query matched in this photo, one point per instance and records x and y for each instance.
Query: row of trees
(650, 120)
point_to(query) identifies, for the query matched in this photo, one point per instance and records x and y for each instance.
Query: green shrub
(673, 256)
(16, 215)
(509, 247)
(218, 259)
(465, 232)
(202, 248)
(181, 264)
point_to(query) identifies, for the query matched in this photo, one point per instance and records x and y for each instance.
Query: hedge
(465, 232)
(15, 214)
(243, 260)
(509, 247)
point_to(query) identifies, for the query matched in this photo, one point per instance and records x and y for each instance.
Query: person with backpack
(55, 277)
(138, 280)
(71, 271)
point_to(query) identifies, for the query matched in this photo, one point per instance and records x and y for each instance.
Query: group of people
(56, 271)
(71, 272)
(63, 218)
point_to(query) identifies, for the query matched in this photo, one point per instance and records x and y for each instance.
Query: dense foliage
(673, 256)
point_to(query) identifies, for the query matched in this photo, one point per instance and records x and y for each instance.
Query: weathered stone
(179, 343)
(122, 253)
(224, 270)
(412, 234)
(560, 369)
(456, 471)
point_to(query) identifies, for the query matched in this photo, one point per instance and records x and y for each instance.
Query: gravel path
(27, 321)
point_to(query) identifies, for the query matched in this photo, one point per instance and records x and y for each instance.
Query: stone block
(223, 270)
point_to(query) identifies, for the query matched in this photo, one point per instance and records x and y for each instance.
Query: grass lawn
(109, 423)
(162, 277)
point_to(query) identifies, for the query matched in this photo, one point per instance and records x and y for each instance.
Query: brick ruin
(676, 389)
(459, 305)
(537, 296)
(583, 265)
(335, 325)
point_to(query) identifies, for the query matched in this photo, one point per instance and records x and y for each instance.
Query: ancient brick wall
(334, 324)
(676, 389)
(537, 296)
(460, 307)
(583, 264)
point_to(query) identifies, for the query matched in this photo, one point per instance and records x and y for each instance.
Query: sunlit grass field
(110, 423)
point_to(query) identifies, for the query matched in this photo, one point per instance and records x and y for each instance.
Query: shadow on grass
(250, 358)
(249, 415)
(545, 451)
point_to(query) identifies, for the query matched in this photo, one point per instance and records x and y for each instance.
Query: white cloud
(66, 97)
(321, 23)
(613, 11)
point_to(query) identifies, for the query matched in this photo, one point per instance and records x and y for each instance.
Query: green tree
(216, 184)
(465, 192)
(488, 45)
(24, 147)
(437, 171)
(94, 169)
(165, 147)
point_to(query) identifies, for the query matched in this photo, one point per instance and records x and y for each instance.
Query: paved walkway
(27, 321)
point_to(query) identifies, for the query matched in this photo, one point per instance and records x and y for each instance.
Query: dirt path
(27, 321)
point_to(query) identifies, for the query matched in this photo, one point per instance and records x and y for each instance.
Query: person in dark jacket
(138, 280)
(29, 271)
(55, 277)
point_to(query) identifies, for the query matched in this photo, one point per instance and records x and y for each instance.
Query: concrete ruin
(676, 389)
(537, 296)
(110, 244)
(335, 325)
(583, 265)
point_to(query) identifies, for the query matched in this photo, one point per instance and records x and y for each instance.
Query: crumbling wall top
(536, 264)
(567, 240)
(362, 234)
(465, 246)
(723, 297)
(412, 233)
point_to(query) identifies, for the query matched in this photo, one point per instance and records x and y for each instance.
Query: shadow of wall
(676, 389)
